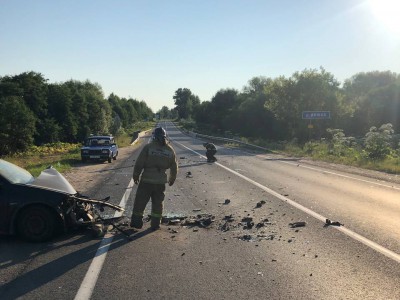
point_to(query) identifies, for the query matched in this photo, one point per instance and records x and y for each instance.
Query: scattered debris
(197, 209)
(229, 218)
(246, 237)
(227, 201)
(249, 225)
(247, 219)
(330, 223)
(203, 221)
(189, 174)
(259, 225)
(182, 157)
(260, 204)
(297, 224)
(225, 227)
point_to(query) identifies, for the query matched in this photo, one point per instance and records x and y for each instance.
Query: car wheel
(115, 157)
(109, 159)
(37, 224)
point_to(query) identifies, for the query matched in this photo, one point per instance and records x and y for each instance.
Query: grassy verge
(63, 156)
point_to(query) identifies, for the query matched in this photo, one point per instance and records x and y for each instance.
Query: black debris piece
(173, 220)
(297, 224)
(247, 219)
(248, 225)
(260, 203)
(259, 225)
(227, 201)
(203, 221)
(246, 237)
(225, 227)
(229, 218)
(189, 174)
(330, 223)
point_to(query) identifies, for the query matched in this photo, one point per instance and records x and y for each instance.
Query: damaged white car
(38, 208)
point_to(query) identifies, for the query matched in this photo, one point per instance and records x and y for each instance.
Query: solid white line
(342, 175)
(348, 232)
(332, 173)
(87, 286)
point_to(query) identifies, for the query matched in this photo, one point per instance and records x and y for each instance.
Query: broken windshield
(14, 174)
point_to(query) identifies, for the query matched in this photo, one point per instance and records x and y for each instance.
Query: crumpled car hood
(52, 179)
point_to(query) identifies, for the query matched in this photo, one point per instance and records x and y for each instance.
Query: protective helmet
(160, 135)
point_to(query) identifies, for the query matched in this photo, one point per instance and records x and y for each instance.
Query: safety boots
(136, 222)
(155, 223)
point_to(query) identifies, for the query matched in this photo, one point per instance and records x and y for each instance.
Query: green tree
(60, 113)
(222, 104)
(185, 102)
(309, 90)
(164, 113)
(17, 125)
(371, 97)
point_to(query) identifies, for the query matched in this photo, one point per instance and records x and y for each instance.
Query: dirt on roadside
(85, 176)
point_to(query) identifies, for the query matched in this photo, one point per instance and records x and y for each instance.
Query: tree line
(271, 108)
(35, 112)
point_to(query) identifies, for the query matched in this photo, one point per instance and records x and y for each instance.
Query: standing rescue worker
(211, 151)
(154, 160)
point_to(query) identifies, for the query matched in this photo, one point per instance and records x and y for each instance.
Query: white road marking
(87, 286)
(348, 232)
(332, 173)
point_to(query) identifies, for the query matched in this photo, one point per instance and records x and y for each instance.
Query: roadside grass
(37, 162)
(63, 156)
(349, 157)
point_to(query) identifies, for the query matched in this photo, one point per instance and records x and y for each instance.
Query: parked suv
(99, 147)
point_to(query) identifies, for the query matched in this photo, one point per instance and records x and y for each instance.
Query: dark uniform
(154, 160)
(211, 151)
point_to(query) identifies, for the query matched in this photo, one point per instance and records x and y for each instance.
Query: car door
(4, 206)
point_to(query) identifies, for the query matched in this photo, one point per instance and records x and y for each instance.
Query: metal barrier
(214, 138)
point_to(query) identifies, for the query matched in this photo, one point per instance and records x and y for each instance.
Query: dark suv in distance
(100, 148)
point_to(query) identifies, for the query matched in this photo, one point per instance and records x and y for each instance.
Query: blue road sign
(316, 115)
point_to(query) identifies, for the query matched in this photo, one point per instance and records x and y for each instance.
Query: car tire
(110, 159)
(115, 157)
(36, 224)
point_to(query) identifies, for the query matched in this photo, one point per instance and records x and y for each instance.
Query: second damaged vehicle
(38, 208)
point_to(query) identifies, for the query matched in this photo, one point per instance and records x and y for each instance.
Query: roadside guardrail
(214, 138)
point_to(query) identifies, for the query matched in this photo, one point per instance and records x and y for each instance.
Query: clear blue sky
(148, 49)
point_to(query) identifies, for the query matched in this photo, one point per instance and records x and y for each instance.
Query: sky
(148, 49)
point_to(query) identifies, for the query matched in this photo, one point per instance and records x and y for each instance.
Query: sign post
(314, 115)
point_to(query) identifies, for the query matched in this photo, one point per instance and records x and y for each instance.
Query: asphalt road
(228, 259)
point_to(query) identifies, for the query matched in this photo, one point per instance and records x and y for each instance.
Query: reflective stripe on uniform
(156, 215)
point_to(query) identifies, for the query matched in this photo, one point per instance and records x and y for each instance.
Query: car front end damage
(81, 211)
(39, 208)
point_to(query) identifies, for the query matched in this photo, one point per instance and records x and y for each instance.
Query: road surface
(234, 257)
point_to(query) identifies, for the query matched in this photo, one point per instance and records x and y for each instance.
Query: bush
(378, 141)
